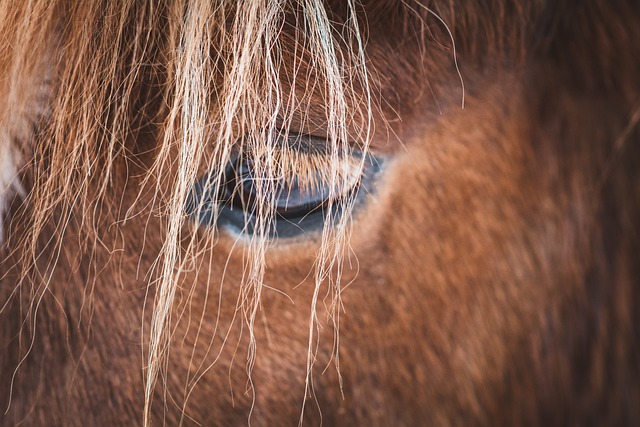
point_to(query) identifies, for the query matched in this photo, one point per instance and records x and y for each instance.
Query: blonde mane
(212, 76)
(474, 242)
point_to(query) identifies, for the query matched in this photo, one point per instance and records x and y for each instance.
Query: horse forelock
(112, 95)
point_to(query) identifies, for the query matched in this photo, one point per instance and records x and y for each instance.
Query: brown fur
(493, 278)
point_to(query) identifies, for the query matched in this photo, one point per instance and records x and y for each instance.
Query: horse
(319, 212)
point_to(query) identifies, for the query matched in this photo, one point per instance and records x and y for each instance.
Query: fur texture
(489, 277)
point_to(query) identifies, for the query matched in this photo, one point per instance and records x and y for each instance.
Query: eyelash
(300, 188)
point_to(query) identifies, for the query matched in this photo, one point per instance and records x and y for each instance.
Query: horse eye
(291, 197)
(303, 182)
